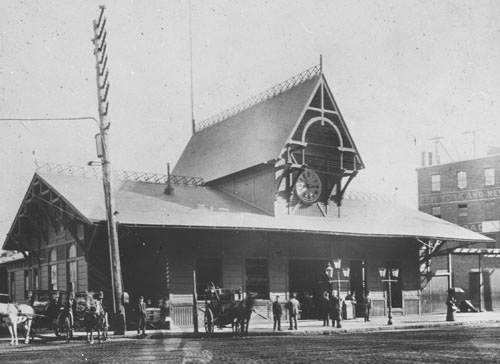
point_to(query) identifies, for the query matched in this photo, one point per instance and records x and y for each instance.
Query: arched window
(53, 255)
(72, 269)
(72, 251)
(53, 269)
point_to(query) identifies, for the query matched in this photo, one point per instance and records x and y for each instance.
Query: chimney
(169, 190)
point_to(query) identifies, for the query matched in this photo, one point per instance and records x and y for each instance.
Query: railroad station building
(466, 193)
(258, 201)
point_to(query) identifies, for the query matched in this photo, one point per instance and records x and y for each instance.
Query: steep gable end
(320, 157)
(242, 138)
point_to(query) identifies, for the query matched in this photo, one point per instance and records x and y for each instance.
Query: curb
(304, 332)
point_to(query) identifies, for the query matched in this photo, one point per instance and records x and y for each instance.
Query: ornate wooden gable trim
(320, 158)
(42, 206)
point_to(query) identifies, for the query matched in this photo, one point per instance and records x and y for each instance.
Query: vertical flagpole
(193, 126)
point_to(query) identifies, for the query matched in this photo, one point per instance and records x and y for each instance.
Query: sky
(402, 74)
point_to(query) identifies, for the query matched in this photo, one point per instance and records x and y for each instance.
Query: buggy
(49, 309)
(221, 308)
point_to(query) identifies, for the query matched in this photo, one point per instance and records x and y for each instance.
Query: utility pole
(102, 74)
(473, 132)
(436, 139)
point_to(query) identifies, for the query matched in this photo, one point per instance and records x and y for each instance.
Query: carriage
(221, 309)
(50, 315)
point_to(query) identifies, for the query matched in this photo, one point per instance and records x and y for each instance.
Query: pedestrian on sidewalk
(325, 308)
(277, 314)
(367, 301)
(141, 316)
(335, 309)
(451, 306)
(293, 311)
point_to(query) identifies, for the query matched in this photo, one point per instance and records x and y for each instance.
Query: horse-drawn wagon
(51, 310)
(227, 307)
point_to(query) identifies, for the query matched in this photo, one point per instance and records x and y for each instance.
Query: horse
(242, 313)
(14, 315)
(95, 319)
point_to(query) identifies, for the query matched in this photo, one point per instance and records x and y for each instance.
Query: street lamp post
(386, 274)
(329, 272)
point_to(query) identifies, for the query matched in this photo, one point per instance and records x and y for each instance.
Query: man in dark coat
(325, 308)
(335, 309)
(277, 314)
(141, 316)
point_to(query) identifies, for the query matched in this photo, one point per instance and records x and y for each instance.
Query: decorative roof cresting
(266, 95)
(132, 176)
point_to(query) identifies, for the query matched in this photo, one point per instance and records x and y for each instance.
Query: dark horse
(242, 311)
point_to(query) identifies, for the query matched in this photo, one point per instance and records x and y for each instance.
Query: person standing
(293, 311)
(68, 312)
(324, 306)
(335, 309)
(451, 306)
(368, 305)
(164, 312)
(141, 316)
(277, 314)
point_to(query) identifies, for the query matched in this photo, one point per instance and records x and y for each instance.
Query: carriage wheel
(209, 321)
(65, 329)
(57, 325)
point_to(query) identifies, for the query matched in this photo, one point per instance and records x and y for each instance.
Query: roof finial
(320, 64)
(169, 189)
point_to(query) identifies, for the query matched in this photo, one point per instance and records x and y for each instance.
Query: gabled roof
(145, 204)
(250, 137)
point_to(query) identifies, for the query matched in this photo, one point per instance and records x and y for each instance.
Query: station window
(26, 284)
(12, 285)
(489, 176)
(35, 279)
(72, 269)
(462, 179)
(435, 182)
(53, 269)
(208, 273)
(462, 214)
(257, 277)
(436, 211)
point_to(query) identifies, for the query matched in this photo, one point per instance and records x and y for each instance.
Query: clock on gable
(309, 187)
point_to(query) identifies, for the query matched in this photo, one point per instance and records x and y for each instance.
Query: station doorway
(308, 280)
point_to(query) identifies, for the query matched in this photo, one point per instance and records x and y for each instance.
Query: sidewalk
(315, 327)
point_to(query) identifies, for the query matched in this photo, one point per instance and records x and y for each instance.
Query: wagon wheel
(65, 329)
(209, 321)
(57, 325)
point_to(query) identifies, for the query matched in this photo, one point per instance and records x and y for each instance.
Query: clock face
(308, 187)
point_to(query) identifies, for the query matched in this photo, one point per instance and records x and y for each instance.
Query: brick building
(467, 193)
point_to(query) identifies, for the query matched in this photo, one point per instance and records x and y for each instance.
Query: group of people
(293, 307)
(69, 308)
(330, 308)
